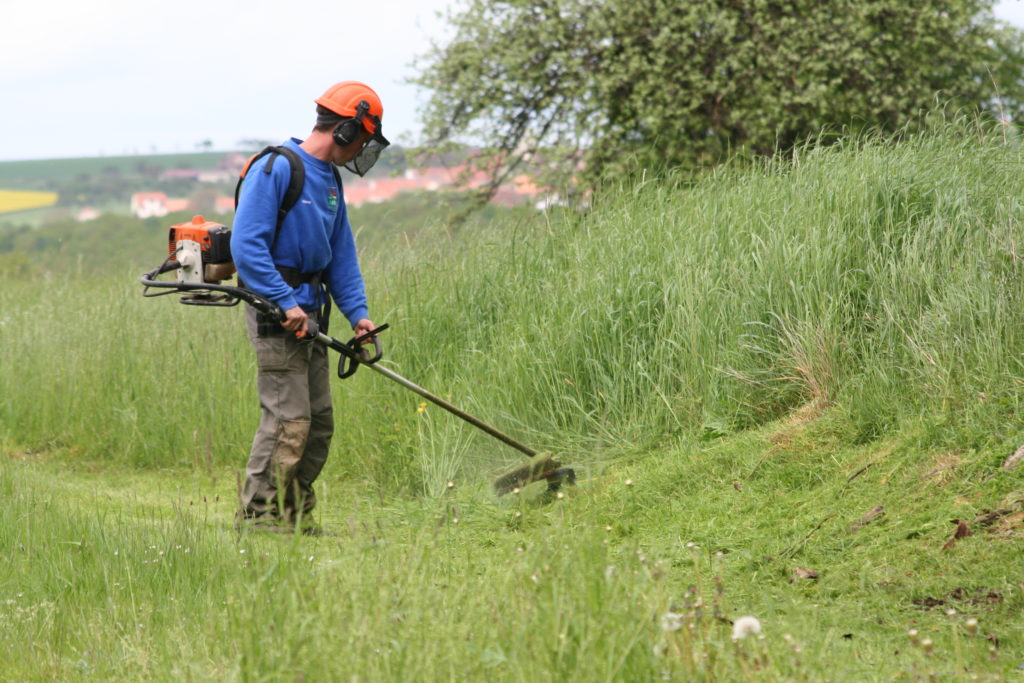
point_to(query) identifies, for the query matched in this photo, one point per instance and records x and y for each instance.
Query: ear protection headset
(347, 130)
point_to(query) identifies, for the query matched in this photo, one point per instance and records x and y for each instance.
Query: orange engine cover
(213, 239)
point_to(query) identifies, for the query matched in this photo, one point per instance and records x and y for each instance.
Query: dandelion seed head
(671, 621)
(745, 626)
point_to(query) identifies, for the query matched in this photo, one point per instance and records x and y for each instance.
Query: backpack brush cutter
(200, 254)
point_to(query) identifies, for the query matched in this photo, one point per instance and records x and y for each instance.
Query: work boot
(266, 523)
(308, 526)
(312, 529)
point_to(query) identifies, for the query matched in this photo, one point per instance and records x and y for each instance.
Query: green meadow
(790, 389)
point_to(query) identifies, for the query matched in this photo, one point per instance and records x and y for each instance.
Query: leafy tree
(617, 83)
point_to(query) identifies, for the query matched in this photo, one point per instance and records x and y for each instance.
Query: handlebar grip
(357, 354)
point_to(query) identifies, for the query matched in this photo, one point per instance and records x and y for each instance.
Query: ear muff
(347, 130)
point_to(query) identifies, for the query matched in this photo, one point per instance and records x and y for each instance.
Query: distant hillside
(106, 184)
(44, 173)
(114, 241)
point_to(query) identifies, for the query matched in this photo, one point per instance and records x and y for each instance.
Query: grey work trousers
(296, 424)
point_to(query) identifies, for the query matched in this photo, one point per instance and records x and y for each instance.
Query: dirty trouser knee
(293, 438)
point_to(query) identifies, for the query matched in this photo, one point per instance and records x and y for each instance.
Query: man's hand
(363, 326)
(294, 319)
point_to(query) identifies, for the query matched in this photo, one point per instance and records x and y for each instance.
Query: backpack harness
(266, 326)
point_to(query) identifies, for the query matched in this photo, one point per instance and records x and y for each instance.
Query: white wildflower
(744, 626)
(671, 621)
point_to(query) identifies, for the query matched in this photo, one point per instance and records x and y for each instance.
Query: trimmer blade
(540, 467)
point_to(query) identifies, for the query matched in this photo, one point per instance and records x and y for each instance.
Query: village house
(150, 204)
(358, 191)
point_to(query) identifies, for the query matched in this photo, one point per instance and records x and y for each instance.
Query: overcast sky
(137, 76)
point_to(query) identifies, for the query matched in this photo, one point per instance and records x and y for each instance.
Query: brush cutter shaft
(437, 400)
(358, 355)
(226, 295)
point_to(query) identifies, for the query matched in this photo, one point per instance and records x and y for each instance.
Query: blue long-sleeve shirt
(315, 236)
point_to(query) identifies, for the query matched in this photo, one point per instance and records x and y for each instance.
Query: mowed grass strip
(17, 200)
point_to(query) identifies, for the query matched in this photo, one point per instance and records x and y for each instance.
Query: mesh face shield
(367, 156)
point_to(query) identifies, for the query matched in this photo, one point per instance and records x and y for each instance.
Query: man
(297, 258)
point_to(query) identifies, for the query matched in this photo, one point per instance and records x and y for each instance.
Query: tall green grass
(778, 349)
(875, 278)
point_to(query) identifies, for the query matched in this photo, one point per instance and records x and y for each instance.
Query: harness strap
(270, 327)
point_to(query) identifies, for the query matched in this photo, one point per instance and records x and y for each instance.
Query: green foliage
(413, 216)
(663, 84)
(111, 241)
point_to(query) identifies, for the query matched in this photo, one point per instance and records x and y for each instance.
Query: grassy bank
(633, 575)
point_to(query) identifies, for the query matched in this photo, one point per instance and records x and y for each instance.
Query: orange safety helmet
(343, 99)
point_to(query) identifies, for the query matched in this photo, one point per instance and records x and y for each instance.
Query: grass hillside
(790, 391)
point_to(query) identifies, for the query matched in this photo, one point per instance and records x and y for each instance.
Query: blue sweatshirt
(315, 236)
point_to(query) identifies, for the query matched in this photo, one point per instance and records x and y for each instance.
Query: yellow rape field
(15, 200)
